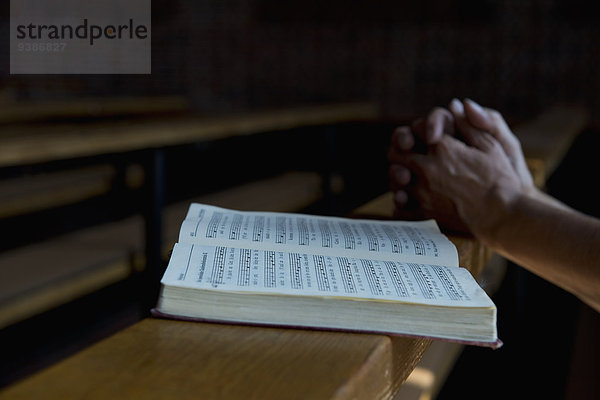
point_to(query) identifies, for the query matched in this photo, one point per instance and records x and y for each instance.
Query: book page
(408, 241)
(272, 272)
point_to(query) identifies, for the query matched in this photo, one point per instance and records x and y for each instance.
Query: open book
(318, 272)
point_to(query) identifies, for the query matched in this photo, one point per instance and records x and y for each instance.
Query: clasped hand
(461, 166)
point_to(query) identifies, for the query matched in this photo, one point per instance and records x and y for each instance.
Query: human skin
(464, 167)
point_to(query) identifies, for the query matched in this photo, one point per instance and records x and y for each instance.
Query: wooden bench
(33, 193)
(22, 144)
(13, 112)
(155, 357)
(37, 192)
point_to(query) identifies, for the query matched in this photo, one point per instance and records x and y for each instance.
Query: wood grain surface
(164, 359)
(26, 143)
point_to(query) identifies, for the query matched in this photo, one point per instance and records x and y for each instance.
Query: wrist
(500, 207)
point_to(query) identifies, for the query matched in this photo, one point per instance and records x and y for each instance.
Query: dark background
(224, 55)
(227, 56)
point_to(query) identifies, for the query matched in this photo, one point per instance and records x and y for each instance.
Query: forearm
(551, 240)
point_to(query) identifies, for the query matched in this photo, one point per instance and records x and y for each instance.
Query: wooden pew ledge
(160, 358)
(38, 277)
(25, 144)
(12, 112)
(28, 194)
